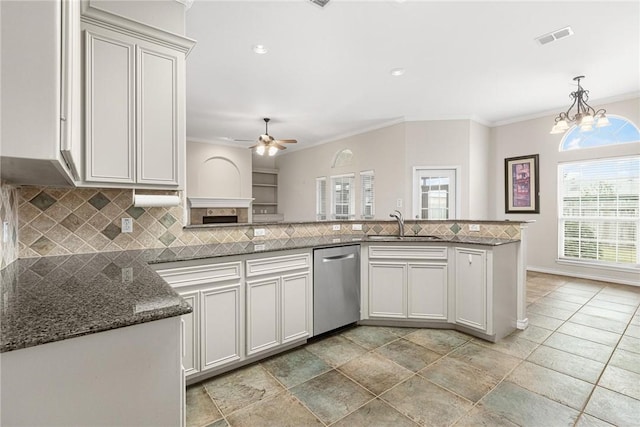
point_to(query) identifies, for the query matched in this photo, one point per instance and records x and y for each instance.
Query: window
(620, 131)
(342, 197)
(368, 195)
(321, 198)
(434, 193)
(599, 210)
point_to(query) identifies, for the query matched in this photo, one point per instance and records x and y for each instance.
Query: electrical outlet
(127, 225)
(399, 203)
(336, 240)
(127, 275)
(356, 227)
(259, 247)
(474, 227)
(5, 231)
(336, 227)
(257, 232)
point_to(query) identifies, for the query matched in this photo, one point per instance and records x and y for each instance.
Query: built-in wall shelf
(265, 193)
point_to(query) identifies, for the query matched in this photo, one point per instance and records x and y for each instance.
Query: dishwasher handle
(337, 257)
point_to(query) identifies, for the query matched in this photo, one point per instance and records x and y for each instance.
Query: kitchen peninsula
(65, 312)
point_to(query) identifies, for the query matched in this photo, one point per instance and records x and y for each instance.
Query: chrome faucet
(398, 216)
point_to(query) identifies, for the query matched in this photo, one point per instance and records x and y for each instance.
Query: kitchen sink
(394, 237)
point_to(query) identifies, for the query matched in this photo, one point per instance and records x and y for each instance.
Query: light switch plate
(356, 227)
(258, 232)
(5, 231)
(336, 227)
(127, 225)
(474, 227)
(399, 203)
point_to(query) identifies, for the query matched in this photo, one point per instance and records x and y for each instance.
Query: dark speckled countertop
(50, 299)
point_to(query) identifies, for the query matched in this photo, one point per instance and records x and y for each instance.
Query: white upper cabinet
(134, 110)
(40, 92)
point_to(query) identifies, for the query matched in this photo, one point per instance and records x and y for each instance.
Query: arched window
(599, 199)
(620, 131)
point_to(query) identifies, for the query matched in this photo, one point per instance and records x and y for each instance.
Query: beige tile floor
(578, 363)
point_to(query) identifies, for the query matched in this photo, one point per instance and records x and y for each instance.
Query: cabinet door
(427, 290)
(157, 101)
(191, 359)
(109, 106)
(220, 325)
(263, 314)
(296, 290)
(471, 288)
(387, 290)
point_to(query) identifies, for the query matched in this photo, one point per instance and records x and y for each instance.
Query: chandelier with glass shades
(586, 117)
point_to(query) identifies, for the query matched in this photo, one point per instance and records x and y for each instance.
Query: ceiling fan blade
(244, 140)
(287, 141)
(280, 147)
(254, 146)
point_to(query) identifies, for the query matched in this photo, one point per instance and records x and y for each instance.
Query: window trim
(560, 218)
(321, 203)
(415, 188)
(352, 205)
(363, 215)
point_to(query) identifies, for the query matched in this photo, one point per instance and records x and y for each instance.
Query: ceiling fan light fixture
(273, 150)
(260, 150)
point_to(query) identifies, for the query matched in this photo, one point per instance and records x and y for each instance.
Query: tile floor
(578, 363)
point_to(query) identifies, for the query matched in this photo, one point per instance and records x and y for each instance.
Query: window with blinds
(342, 197)
(321, 199)
(367, 206)
(598, 216)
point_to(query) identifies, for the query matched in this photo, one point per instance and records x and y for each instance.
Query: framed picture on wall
(521, 192)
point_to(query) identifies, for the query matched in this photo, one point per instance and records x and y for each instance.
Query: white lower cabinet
(471, 288)
(408, 282)
(221, 326)
(213, 332)
(241, 309)
(278, 305)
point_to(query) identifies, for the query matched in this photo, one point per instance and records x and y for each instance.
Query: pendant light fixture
(585, 116)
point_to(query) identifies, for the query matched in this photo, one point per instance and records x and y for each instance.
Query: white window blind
(599, 210)
(321, 199)
(342, 197)
(367, 195)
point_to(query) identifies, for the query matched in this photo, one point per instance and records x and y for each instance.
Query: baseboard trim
(522, 324)
(583, 276)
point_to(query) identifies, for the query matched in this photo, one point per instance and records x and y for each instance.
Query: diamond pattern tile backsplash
(56, 221)
(8, 215)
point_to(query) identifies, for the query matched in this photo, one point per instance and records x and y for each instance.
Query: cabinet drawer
(256, 267)
(194, 275)
(408, 252)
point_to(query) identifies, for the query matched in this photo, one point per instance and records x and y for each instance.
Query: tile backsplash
(58, 221)
(8, 216)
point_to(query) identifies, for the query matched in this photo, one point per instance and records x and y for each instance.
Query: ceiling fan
(267, 143)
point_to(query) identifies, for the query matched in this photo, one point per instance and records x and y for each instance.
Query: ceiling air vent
(321, 3)
(554, 35)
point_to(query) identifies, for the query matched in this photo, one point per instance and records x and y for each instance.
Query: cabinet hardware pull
(337, 258)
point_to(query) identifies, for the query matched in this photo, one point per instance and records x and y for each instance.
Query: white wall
(532, 137)
(218, 171)
(480, 171)
(380, 150)
(392, 152)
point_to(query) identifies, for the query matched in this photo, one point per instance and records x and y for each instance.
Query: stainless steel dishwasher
(336, 287)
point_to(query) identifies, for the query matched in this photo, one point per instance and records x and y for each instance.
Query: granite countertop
(54, 298)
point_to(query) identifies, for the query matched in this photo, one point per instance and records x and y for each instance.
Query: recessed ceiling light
(260, 49)
(397, 72)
